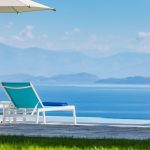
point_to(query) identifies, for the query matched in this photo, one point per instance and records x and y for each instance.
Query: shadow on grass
(20, 141)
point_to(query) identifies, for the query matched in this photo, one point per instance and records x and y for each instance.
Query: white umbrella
(18, 6)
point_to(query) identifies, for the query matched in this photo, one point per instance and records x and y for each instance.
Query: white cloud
(24, 35)
(141, 43)
(27, 32)
(9, 25)
(28, 37)
(144, 35)
(94, 37)
(23, 38)
(43, 37)
(69, 34)
(2, 39)
(74, 39)
(18, 38)
(76, 30)
(77, 41)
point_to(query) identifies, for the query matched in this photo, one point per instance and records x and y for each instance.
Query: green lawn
(39, 143)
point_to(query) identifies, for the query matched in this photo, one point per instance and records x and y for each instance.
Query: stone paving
(104, 129)
(82, 131)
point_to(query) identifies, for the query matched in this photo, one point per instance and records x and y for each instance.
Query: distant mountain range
(40, 62)
(127, 80)
(80, 78)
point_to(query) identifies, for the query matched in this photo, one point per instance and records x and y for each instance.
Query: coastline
(97, 85)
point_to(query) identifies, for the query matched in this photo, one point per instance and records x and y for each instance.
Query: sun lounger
(25, 99)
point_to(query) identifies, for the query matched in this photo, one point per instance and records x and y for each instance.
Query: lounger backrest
(22, 95)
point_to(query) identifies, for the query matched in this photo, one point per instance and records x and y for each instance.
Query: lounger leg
(37, 116)
(24, 115)
(4, 115)
(44, 117)
(74, 116)
(9, 115)
(14, 115)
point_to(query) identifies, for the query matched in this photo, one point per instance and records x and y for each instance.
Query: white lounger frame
(35, 110)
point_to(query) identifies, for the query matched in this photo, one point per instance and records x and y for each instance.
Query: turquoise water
(108, 102)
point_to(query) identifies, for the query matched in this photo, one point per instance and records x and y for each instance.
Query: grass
(41, 143)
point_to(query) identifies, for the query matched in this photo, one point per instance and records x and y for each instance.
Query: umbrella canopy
(18, 6)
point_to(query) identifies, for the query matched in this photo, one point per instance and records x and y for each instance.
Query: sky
(93, 27)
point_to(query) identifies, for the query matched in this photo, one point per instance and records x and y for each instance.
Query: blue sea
(99, 101)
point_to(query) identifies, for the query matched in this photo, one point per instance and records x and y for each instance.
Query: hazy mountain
(128, 80)
(80, 78)
(40, 62)
(36, 61)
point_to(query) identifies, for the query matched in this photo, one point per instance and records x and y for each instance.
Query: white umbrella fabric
(19, 6)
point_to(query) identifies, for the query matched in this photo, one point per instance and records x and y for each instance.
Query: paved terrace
(86, 128)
